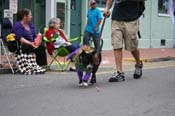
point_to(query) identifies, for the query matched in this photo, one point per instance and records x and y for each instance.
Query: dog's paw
(80, 84)
(93, 79)
(85, 84)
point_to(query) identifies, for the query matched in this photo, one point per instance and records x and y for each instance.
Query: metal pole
(1, 51)
(5, 52)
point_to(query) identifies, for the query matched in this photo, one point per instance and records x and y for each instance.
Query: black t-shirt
(127, 11)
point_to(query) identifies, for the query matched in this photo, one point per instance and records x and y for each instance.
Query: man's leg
(118, 59)
(138, 65)
(86, 38)
(96, 40)
(131, 44)
(117, 43)
(119, 75)
(136, 55)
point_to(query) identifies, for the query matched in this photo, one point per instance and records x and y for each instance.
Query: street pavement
(57, 93)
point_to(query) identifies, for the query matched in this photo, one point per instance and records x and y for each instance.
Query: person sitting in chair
(26, 35)
(54, 30)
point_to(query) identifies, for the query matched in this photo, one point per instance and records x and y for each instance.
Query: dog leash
(104, 20)
(101, 40)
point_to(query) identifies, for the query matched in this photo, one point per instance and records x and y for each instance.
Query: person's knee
(134, 51)
(117, 49)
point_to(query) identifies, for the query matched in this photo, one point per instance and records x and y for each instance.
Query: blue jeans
(95, 37)
(71, 48)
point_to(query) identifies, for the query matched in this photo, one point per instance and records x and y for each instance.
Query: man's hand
(106, 12)
(95, 29)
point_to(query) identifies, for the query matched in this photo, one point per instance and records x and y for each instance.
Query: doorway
(75, 19)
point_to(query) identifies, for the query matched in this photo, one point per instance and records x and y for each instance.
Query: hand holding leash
(106, 13)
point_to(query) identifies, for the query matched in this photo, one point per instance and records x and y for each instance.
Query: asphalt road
(57, 94)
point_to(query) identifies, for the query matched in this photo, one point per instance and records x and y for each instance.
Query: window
(73, 5)
(61, 13)
(163, 6)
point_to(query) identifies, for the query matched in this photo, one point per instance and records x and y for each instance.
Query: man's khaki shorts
(125, 32)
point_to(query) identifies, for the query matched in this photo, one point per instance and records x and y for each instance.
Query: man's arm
(108, 6)
(98, 23)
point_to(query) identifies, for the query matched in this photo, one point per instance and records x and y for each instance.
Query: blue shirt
(93, 16)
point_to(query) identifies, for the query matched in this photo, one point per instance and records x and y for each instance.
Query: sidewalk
(146, 54)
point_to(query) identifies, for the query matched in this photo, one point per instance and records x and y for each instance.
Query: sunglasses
(93, 3)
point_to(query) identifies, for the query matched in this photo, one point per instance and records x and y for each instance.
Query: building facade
(37, 7)
(155, 26)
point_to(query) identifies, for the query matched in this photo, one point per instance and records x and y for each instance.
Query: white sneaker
(85, 84)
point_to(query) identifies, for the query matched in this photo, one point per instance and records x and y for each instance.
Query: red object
(49, 33)
(97, 88)
(62, 35)
(38, 39)
(50, 45)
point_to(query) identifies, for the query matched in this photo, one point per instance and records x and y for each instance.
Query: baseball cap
(92, 1)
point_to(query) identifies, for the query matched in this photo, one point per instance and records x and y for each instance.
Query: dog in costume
(85, 59)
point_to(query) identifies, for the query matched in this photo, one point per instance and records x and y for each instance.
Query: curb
(151, 59)
(6, 71)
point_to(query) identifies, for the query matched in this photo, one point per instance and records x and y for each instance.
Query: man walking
(92, 29)
(125, 26)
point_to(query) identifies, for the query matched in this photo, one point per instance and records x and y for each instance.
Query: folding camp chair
(77, 40)
(60, 52)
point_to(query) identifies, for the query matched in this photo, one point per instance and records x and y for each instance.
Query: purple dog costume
(83, 63)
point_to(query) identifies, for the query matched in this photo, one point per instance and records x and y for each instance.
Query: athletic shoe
(117, 77)
(138, 71)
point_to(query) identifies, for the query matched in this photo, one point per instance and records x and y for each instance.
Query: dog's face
(88, 58)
